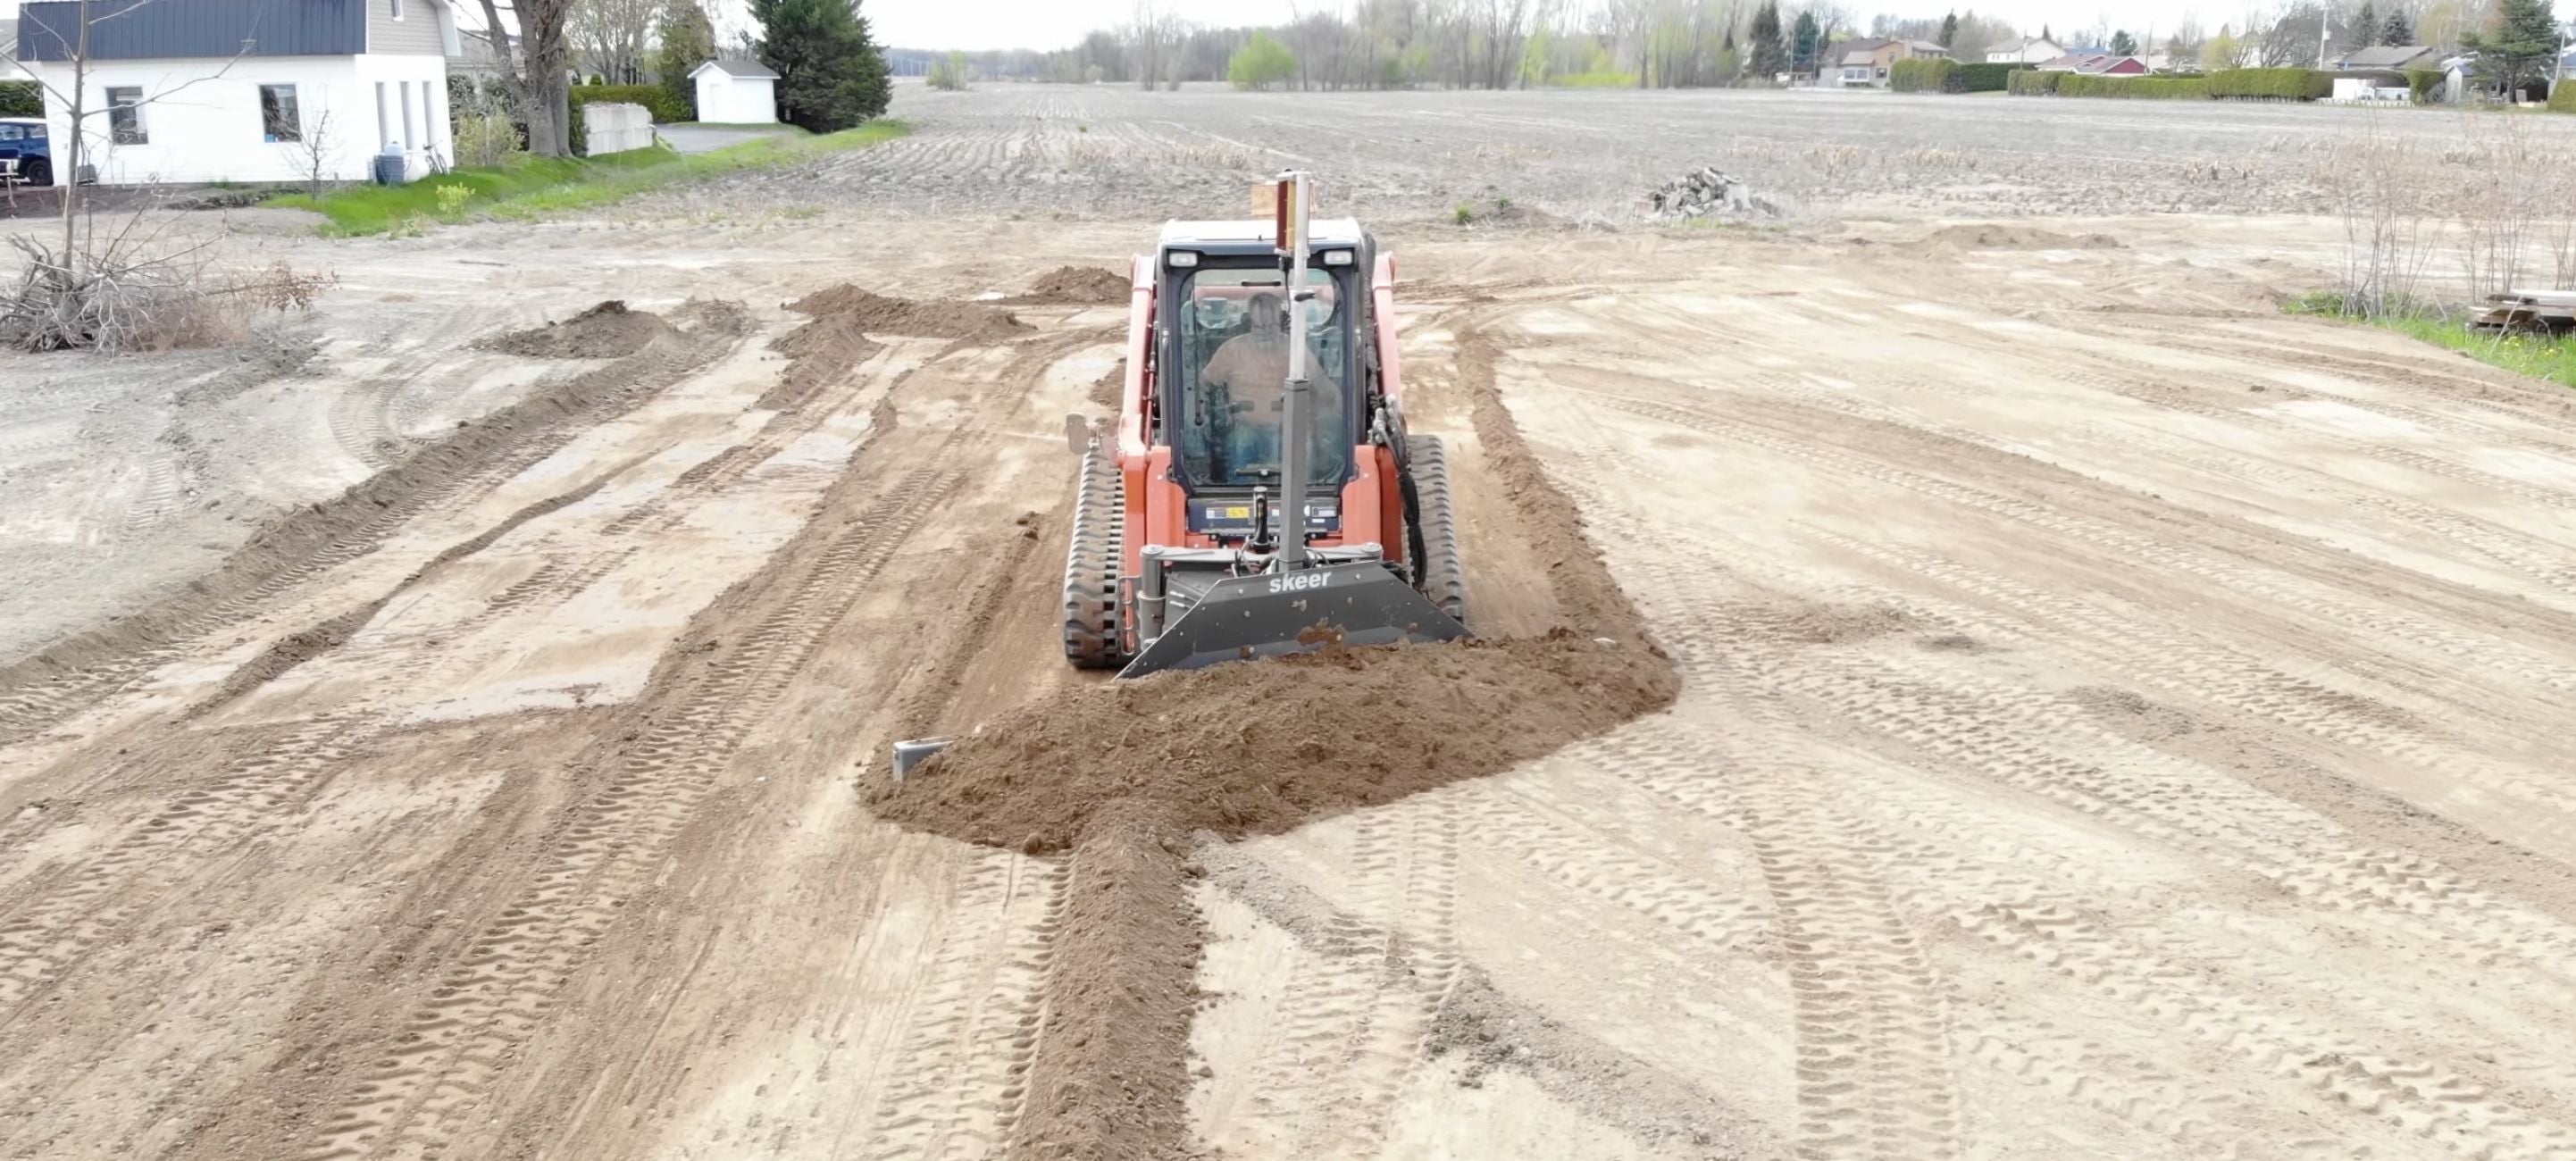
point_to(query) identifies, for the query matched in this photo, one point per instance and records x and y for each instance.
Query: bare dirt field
(2112, 719)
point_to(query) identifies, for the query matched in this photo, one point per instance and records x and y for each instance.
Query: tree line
(1389, 44)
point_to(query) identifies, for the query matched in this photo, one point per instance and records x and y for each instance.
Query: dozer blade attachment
(1295, 612)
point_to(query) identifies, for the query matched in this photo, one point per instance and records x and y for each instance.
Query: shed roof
(750, 70)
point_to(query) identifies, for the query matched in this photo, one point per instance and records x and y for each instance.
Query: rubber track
(1091, 562)
(1444, 578)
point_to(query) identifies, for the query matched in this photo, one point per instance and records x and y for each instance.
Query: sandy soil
(2115, 720)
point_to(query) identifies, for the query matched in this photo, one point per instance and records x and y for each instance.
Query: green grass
(2538, 356)
(529, 187)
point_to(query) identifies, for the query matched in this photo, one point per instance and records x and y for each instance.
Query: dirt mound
(606, 331)
(1259, 749)
(821, 350)
(875, 313)
(2001, 236)
(1075, 286)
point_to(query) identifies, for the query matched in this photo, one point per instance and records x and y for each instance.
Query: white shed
(736, 92)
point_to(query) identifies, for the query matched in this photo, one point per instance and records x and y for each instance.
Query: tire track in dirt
(87, 668)
(2303, 596)
(415, 1097)
(56, 921)
(650, 777)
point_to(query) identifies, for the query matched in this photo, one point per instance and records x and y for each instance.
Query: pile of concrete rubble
(1706, 191)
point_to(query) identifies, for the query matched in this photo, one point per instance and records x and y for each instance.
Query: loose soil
(606, 331)
(1075, 286)
(868, 311)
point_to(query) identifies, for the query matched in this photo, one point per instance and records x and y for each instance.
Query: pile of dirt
(1261, 749)
(822, 349)
(606, 331)
(1119, 774)
(875, 313)
(1075, 286)
(1999, 236)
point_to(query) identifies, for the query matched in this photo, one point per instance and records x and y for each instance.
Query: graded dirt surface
(2113, 719)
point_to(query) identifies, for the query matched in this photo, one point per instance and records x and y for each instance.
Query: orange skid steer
(1259, 494)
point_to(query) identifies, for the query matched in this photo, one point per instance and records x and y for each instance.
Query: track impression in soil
(1119, 775)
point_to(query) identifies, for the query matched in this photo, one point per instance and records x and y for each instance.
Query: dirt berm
(1120, 774)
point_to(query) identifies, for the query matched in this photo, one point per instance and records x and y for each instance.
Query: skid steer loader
(1258, 493)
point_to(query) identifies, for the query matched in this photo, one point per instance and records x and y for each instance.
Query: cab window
(1233, 359)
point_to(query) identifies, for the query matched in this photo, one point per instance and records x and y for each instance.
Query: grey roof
(1859, 57)
(220, 29)
(2386, 56)
(746, 69)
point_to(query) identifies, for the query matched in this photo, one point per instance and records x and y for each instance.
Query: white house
(736, 92)
(2028, 50)
(246, 90)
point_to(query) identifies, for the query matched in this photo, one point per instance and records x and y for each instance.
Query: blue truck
(23, 140)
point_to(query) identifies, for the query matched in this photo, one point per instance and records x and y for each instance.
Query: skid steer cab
(1257, 493)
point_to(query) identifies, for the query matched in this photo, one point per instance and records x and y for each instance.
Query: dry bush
(2497, 200)
(134, 289)
(2386, 194)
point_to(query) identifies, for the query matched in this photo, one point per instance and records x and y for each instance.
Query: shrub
(2271, 85)
(21, 99)
(2420, 84)
(2562, 99)
(1260, 63)
(1599, 80)
(1987, 78)
(484, 140)
(2031, 83)
(1925, 75)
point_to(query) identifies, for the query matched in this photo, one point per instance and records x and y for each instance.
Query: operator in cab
(1252, 367)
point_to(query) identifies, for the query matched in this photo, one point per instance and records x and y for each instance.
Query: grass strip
(2538, 356)
(528, 187)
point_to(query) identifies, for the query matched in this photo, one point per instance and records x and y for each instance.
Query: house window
(407, 139)
(125, 116)
(278, 118)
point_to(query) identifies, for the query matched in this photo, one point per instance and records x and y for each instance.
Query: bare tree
(611, 36)
(313, 150)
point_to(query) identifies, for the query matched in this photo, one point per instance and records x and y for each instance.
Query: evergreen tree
(2123, 44)
(830, 74)
(688, 40)
(1806, 44)
(1770, 52)
(2524, 50)
(2396, 31)
(2045, 34)
(2364, 32)
(1949, 29)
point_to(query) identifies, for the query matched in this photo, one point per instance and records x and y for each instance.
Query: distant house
(2391, 58)
(2028, 50)
(246, 90)
(736, 92)
(1865, 63)
(2096, 64)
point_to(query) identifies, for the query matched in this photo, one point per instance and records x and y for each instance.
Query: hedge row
(2271, 84)
(1934, 74)
(2563, 99)
(21, 99)
(1988, 78)
(2225, 84)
